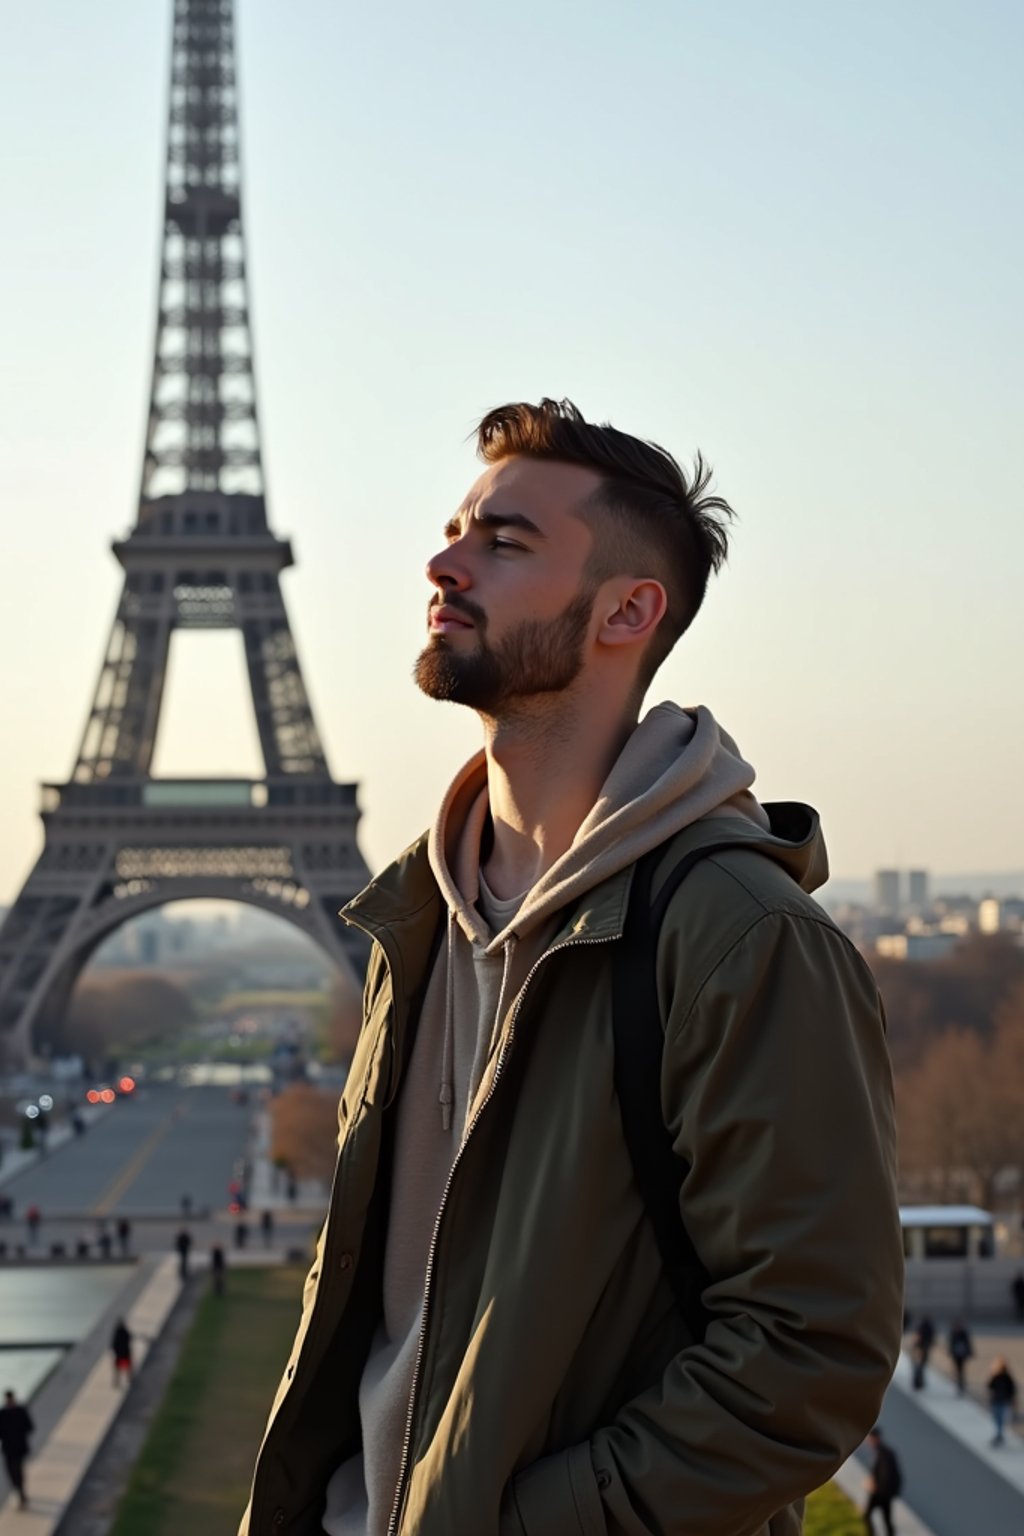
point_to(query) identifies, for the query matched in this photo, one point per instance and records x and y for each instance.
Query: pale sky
(788, 234)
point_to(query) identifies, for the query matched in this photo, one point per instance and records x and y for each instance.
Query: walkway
(53, 1475)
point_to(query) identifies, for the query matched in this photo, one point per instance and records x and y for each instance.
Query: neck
(546, 763)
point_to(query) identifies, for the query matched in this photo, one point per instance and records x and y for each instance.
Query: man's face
(511, 611)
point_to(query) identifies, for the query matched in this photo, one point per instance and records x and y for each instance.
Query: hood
(677, 768)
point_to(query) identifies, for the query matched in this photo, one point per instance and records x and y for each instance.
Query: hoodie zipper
(503, 1054)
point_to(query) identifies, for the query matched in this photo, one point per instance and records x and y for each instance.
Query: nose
(447, 570)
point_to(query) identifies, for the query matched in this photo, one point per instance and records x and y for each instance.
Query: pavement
(136, 1158)
(957, 1482)
(53, 1474)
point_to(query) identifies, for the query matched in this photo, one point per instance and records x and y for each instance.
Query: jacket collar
(402, 907)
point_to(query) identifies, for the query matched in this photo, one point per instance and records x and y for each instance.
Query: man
(924, 1338)
(884, 1483)
(183, 1243)
(490, 1344)
(15, 1427)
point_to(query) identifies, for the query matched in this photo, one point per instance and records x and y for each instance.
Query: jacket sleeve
(777, 1088)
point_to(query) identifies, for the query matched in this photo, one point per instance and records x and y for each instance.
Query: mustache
(461, 605)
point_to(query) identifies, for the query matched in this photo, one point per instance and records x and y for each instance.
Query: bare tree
(304, 1131)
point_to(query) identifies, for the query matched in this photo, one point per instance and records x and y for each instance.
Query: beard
(535, 657)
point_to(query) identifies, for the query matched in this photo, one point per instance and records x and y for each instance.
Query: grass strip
(194, 1470)
(830, 1513)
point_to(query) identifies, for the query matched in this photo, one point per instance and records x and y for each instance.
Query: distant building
(1001, 915)
(917, 893)
(915, 946)
(887, 890)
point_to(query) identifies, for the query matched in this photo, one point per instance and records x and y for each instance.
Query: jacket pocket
(557, 1496)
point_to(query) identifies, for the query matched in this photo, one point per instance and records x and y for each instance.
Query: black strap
(639, 1040)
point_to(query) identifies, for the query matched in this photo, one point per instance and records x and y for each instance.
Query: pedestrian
(104, 1241)
(1002, 1396)
(924, 1338)
(961, 1349)
(539, 1352)
(217, 1268)
(124, 1236)
(183, 1243)
(885, 1481)
(121, 1346)
(267, 1226)
(241, 1232)
(1017, 1287)
(33, 1221)
(15, 1428)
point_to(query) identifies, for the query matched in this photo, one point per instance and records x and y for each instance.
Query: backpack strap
(639, 1040)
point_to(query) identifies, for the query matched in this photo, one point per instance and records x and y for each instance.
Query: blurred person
(1002, 1396)
(218, 1265)
(124, 1236)
(885, 1481)
(1017, 1287)
(241, 1232)
(501, 1334)
(104, 1241)
(921, 1348)
(183, 1243)
(961, 1349)
(16, 1427)
(267, 1226)
(33, 1221)
(121, 1347)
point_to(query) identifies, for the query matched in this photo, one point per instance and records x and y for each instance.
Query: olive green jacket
(558, 1390)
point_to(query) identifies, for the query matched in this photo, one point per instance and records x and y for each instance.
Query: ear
(633, 612)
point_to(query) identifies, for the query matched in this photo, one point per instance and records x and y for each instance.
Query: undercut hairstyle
(652, 520)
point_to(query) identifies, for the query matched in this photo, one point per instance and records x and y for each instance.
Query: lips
(444, 619)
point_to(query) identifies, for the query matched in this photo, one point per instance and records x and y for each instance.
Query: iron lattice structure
(201, 555)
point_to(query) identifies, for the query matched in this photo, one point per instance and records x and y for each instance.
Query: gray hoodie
(676, 767)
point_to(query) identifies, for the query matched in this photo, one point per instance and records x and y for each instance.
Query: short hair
(653, 512)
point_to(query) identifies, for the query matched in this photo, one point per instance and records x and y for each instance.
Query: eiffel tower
(200, 556)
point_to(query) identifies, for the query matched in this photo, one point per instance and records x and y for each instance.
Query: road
(139, 1160)
(143, 1155)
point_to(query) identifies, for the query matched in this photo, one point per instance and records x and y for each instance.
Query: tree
(304, 1131)
(111, 1011)
(957, 1128)
(963, 991)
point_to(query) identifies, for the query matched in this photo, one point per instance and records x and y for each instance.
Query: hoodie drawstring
(508, 949)
(447, 1097)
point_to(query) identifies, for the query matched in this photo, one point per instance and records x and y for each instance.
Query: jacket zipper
(503, 1054)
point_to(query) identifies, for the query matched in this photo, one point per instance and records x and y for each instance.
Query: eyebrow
(494, 520)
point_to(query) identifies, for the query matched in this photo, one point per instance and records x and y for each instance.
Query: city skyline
(841, 351)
